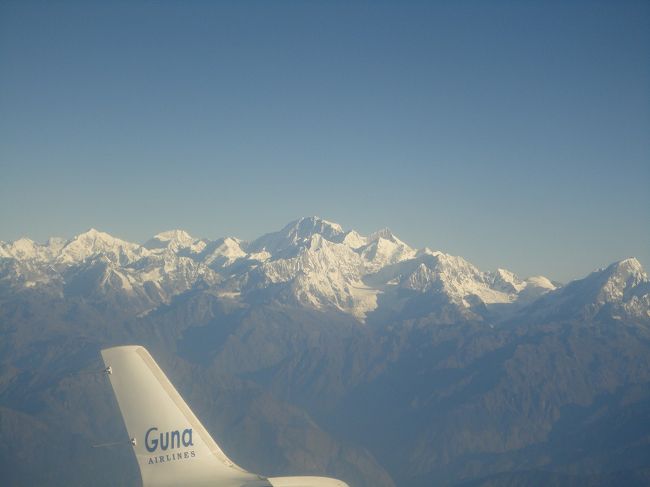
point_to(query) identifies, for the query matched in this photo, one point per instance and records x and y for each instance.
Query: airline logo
(160, 444)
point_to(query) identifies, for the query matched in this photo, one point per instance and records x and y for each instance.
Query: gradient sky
(515, 134)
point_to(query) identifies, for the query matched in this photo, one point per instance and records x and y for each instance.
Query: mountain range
(318, 350)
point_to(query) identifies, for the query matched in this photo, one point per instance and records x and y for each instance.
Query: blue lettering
(169, 440)
(187, 437)
(164, 441)
(176, 439)
(153, 444)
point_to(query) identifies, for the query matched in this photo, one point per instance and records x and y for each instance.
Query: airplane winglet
(171, 445)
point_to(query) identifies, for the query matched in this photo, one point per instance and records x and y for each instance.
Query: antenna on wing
(105, 371)
(131, 442)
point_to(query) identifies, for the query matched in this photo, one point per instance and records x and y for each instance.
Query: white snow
(225, 252)
(354, 240)
(94, 242)
(175, 240)
(619, 278)
(311, 260)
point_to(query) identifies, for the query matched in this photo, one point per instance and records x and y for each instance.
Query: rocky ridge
(310, 261)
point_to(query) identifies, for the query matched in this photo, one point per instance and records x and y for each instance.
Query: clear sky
(513, 133)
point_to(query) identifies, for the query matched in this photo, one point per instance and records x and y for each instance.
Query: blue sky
(515, 134)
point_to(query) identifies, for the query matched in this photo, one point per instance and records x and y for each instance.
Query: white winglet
(171, 445)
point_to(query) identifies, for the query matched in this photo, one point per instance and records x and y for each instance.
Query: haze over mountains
(318, 350)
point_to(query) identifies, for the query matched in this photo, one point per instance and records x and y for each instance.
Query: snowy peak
(313, 262)
(175, 235)
(617, 280)
(621, 289)
(540, 282)
(323, 275)
(170, 237)
(296, 235)
(626, 268)
(460, 283)
(223, 252)
(452, 275)
(354, 240)
(607, 285)
(384, 249)
(22, 249)
(534, 288)
(25, 249)
(304, 228)
(175, 240)
(385, 234)
(506, 281)
(94, 242)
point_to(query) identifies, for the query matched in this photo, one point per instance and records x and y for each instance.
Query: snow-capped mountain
(25, 249)
(310, 262)
(621, 289)
(223, 252)
(317, 321)
(98, 265)
(320, 273)
(94, 243)
(296, 236)
(383, 248)
(175, 241)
